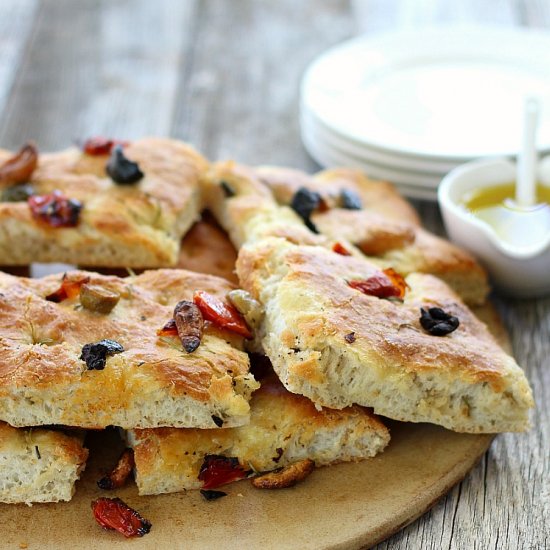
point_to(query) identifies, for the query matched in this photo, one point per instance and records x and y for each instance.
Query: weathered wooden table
(224, 75)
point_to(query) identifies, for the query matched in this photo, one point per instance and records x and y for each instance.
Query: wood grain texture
(225, 75)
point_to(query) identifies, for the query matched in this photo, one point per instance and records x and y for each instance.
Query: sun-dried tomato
(169, 329)
(340, 249)
(190, 323)
(113, 513)
(388, 284)
(19, 168)
(70, 288)
(217, 470)
(55, 209)
(118, 476)
(99, 145)
(220, 313)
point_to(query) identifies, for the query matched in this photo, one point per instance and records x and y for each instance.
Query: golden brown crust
(136, 225)
(310, 308)
(387, 227)
(284, 428)
(41, 342)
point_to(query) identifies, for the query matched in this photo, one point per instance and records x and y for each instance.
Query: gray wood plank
(112, 70)
(240, 98)
(16, 18)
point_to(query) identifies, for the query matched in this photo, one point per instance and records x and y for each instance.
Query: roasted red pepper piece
(113, 513)
(169, 329)
(339, 249)
(218, 470)
(55, 209)
(388, 284)
(220, 313)
(99, 145)
(70, 288)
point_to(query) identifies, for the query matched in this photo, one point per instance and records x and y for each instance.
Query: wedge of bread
(39, 465)
(119, 225)
(383, 225)
(284, 428)
(338, 346)
(148, 381)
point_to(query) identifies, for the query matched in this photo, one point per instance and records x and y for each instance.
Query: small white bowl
(519, 271)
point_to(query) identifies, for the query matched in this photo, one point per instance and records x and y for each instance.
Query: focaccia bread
(338, 345)
(107, 224)
(284, 428)
(382, 224)
(247, 210)
(152, 382)
(39, 465)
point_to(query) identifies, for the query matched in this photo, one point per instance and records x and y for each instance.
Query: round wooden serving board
(343, 506)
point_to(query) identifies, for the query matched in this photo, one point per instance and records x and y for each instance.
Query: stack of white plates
(408, 107)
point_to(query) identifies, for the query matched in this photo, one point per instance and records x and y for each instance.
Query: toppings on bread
(437, 322)
(218, 470)
(95, 355)
(20, 192)
(221, 314)
(97, 298)
(70, 288)
(386, 284)
(285, 477)
(19, 168)
(113, 513)
(99, 146)
(350, 200)
(55, 209)
(189, 324)
(118, 476)
(121, 169)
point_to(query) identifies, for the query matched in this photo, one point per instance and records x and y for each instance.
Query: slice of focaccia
(39, 465)
(72, 211)
(284, 428)
(247, 210)
(138, 378)
(382, 224)
(332, 341)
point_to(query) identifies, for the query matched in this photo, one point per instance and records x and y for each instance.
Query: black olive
(438, 323)
(227, 189)
(217, 420)
(212, 495)
(279, 452)
(350, 200)
(17, 193)
(350, 338)
(304, 203)
(122, 170)
(95, 355)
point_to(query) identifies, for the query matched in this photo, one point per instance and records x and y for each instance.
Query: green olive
(17, 193)
(97, 298)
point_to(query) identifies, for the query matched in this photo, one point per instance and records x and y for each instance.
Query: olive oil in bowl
(518, 226)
